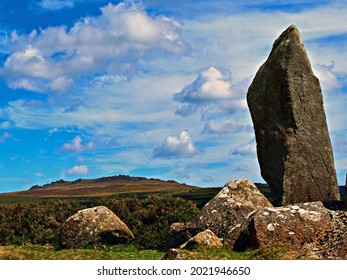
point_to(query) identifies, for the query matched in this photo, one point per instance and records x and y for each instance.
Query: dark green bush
(149, 219)
(34, 222)
(40, 222)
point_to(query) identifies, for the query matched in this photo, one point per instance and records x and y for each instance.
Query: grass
(48, 252)
(118, 252)
(130, 252)
(210, 253)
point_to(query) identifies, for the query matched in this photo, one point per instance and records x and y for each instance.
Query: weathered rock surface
(178, 234)
(309, 228)
(204, 238)
(176, 254)
(226, 213)
(293, 144)
(98, 224)
(333, 245)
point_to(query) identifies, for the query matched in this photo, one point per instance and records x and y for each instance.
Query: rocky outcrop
(240, 218)
(93, 225)
(293, 144)
(204, 238)
(227, 212)
(308, 228)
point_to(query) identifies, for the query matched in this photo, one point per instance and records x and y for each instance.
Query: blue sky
(150, 88)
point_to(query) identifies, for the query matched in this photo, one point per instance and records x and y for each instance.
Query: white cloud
(77, 170)
(76, 145)
(107, 80)
(182, 146)
(5, 125)
(30, 61)
(210, 85)
(111, 43)
(327, 77)
(211, 88)
(52, 5)
(29, 69)
(219, 40)
(60, 84)
(27, 84)
(222, 127)
(244, 149)
(5, 136)
(101, 108)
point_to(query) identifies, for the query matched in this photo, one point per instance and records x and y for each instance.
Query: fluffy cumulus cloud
(76, 145)
(113, 43)
(182, 146)
(212, 88)
(77, 170)
(5, 136)
(222, 127)
(210, 85)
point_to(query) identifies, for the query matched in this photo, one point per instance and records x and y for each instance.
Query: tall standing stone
(293, 144)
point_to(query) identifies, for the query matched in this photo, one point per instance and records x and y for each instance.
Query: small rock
(175, 254)
(205, 238)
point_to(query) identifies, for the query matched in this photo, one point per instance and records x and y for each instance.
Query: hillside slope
(118, 184)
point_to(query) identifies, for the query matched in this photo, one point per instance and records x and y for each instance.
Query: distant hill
(112, 185)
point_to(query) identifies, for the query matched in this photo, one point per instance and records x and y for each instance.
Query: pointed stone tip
(291, 32)
(292, 27)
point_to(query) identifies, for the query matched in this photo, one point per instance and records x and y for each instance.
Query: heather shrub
(149, 219)
(40, 222)
(35, 222)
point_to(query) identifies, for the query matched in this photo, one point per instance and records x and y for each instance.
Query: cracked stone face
(292, 226)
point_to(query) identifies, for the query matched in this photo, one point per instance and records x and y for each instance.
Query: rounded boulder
(94, 225)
